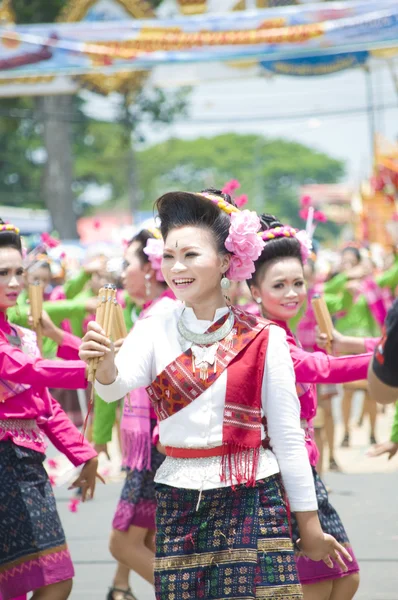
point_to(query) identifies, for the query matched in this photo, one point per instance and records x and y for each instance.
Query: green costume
(394, 432)
(73, 309)
(358, 319)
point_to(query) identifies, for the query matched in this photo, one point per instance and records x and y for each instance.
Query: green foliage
(20, 140)
(269, 170)
(37, 11)
(45, 11)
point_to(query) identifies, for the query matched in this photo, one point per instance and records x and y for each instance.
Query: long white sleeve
(282, 409)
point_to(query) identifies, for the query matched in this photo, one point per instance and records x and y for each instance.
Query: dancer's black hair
(10, 238)
(275, 249)
(181, 209)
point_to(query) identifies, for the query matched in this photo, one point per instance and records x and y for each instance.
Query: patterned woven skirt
(235, 544)
(311, 571)
(33, 551)
(137, 504)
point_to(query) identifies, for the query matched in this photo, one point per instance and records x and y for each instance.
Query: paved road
(366, 496)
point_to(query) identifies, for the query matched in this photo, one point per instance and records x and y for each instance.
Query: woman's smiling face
(192, 266)
(282, 289)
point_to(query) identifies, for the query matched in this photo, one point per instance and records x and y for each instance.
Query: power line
(73, 118)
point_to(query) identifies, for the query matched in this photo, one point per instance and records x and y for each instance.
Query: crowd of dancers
(221, 394)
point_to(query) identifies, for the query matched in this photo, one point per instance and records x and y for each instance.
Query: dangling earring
(225, 285)
(148, 284)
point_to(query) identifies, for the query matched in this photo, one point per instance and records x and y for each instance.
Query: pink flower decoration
(49, 241)
(241, 200)
(154, 251)
(52, 463)
(303, 214)
(51, 479)
(305, 201)
(231, 186)
(73, 504)
(244, 244)
(97, 224)
(320, 216)
(243, 239)
(240, 269)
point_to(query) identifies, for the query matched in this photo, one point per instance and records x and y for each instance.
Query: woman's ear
(225, 261)
(255, 292)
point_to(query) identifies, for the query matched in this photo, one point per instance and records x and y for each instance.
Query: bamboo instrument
(119, 326)
(35, 293)
(105, 317)
(323, 319)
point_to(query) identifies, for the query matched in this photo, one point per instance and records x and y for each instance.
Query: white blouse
(154, 343)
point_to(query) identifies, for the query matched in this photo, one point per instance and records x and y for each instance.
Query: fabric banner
(267, 35)
(316, 65)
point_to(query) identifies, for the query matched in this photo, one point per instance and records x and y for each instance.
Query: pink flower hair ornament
(154, 251)
(287, 231)
(243, 241)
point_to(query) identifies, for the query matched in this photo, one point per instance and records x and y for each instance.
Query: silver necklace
(204, 346)
(206, 339)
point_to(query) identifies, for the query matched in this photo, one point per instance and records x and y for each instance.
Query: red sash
(177, 386)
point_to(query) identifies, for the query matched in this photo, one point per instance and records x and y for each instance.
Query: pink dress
(34, 552)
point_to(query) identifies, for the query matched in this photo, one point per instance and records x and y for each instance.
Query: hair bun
(269, 222)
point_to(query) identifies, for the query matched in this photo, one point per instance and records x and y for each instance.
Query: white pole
(310, 219)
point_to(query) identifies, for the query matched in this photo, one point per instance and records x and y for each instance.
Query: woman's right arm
(131, 369)
(282, 410)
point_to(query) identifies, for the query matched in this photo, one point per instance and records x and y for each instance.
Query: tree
(269, 170)
(47, 132)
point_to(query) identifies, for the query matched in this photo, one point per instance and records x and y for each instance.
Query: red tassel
(241, 464)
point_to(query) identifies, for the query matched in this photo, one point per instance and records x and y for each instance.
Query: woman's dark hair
(142, 237)
(10, 239)
(181, 209)
(282, 247)
(354, 250)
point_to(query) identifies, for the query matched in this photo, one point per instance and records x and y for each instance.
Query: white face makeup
(192, 266)
(282, 289)
(12, 277)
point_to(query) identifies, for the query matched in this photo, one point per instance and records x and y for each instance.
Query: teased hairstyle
(10, 238)
(181, 209)
(275, 249)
